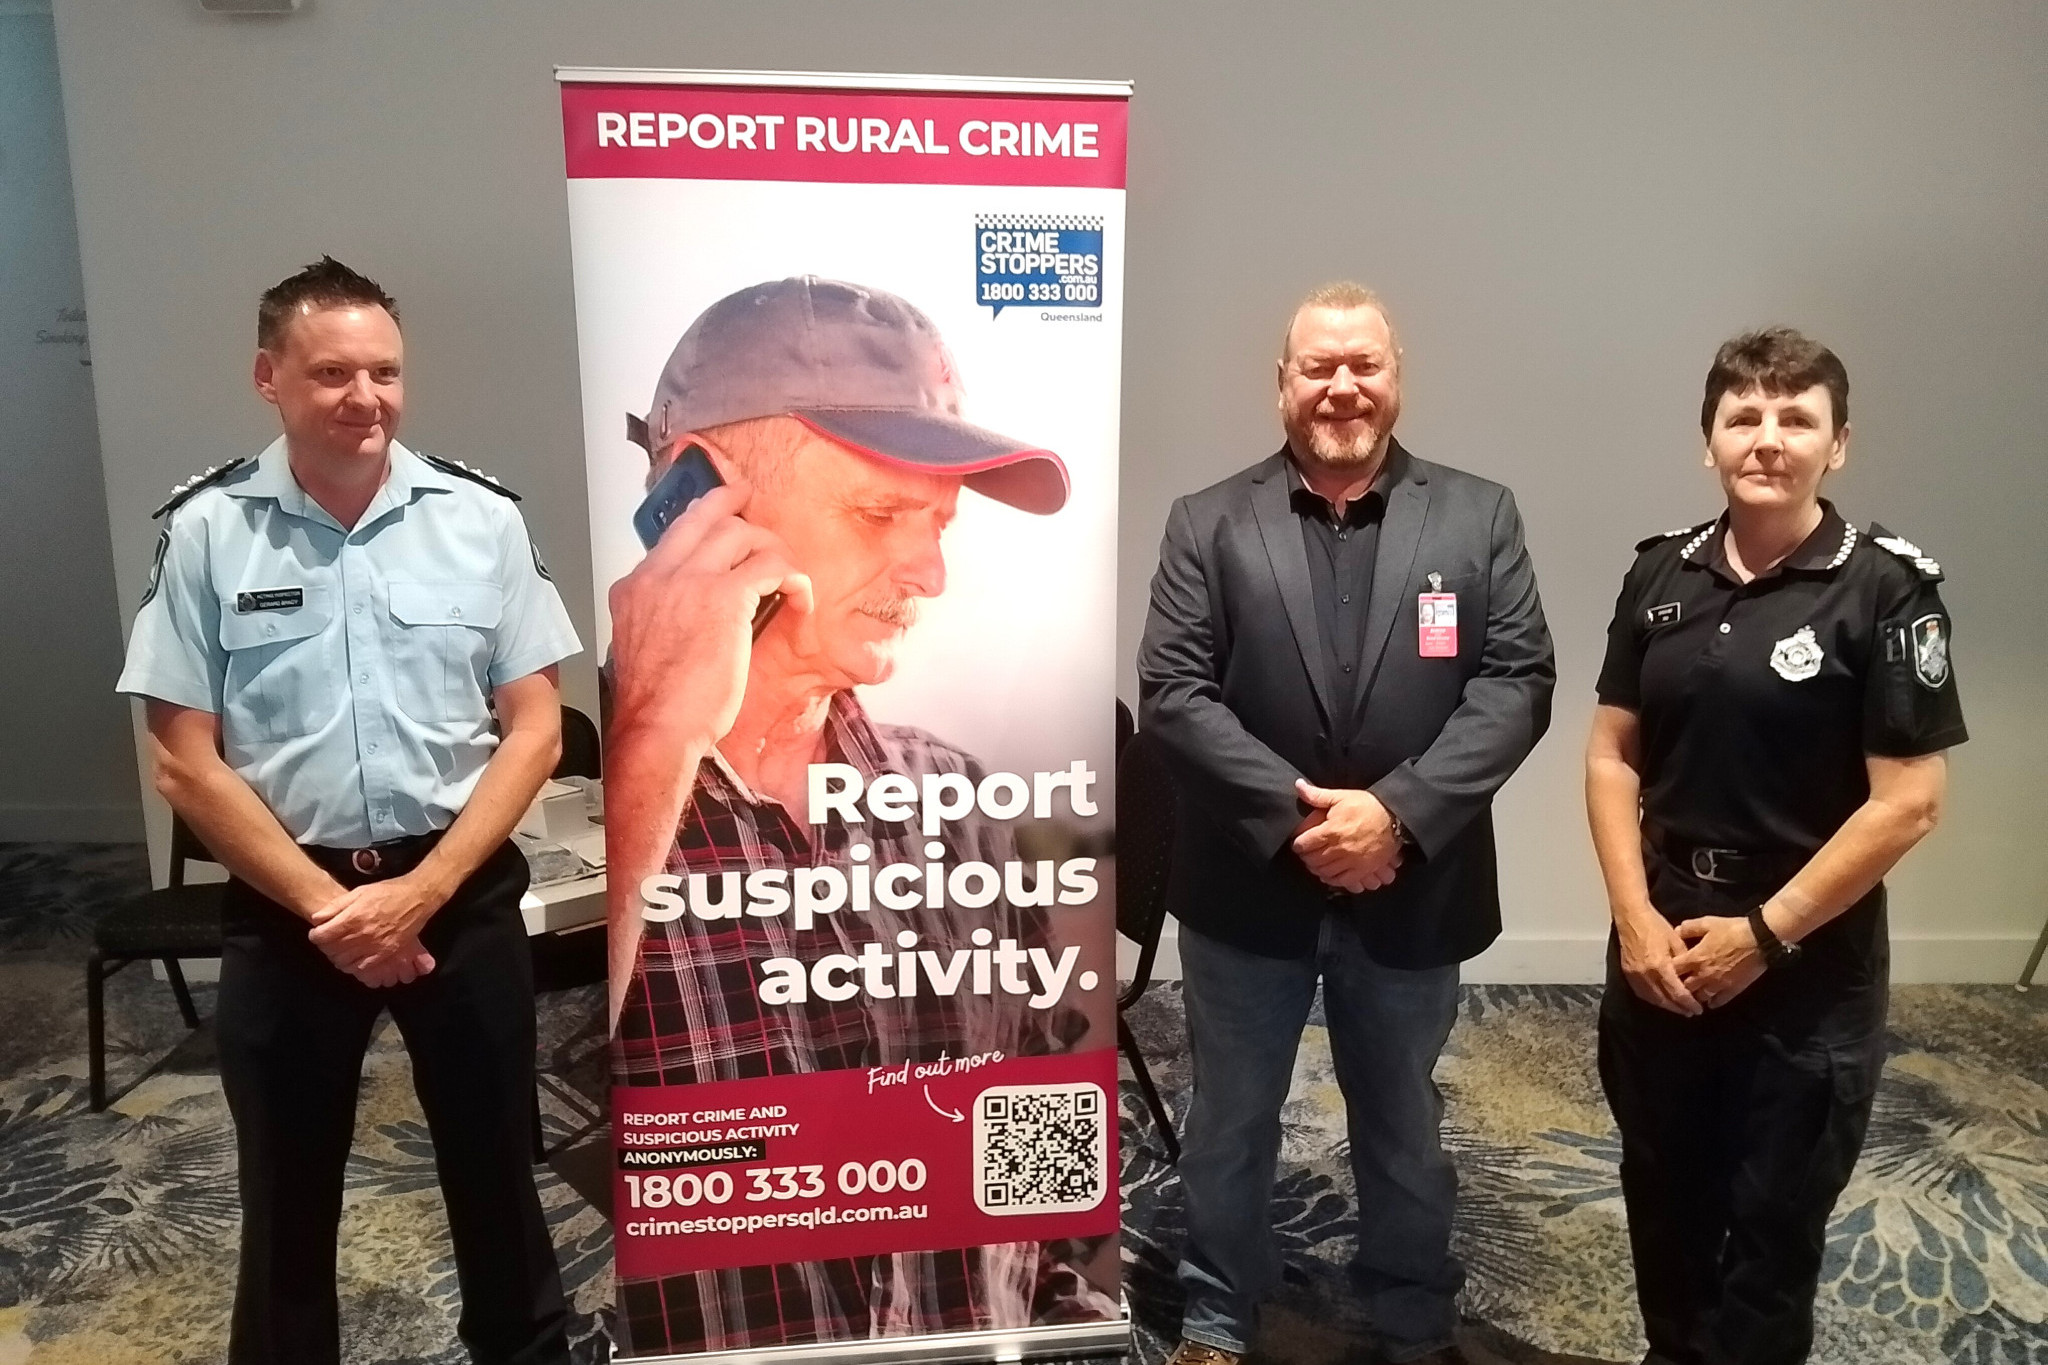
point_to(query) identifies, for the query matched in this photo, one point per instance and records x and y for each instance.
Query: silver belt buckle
(367, 861)
(1706, 864)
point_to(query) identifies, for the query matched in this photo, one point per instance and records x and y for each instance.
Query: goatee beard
(1341, 452)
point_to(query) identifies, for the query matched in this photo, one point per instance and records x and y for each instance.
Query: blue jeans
(1245, 1016)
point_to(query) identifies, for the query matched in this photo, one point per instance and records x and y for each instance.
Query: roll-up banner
(859, 721)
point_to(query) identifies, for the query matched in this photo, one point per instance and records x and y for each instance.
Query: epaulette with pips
(1906, 550)
(206, 478)
(463, 471)
(1662, 536)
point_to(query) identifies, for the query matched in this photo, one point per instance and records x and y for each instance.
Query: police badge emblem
(1929, 635)
(1796, 657)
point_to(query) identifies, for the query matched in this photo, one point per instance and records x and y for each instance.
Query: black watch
(1777, 953)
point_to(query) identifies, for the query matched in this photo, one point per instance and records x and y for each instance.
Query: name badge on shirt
(270, 599)
(1436, 620)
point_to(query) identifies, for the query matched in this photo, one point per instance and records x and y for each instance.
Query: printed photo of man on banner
(858, 626)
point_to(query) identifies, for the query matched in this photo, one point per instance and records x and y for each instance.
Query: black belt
(378, 862)
(1726, 866)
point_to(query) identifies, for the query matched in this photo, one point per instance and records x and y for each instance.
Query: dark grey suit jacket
(1231, 679)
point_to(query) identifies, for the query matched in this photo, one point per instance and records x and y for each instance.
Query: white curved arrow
(944, 1113)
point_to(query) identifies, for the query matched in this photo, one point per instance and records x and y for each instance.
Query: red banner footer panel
(948, 1153)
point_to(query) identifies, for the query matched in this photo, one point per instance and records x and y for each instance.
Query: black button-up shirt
(1341, 551)
(1759, 701)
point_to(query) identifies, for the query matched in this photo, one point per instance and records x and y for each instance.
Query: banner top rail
(840, 80)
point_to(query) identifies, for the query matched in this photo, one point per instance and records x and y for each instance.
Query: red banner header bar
(686, 132)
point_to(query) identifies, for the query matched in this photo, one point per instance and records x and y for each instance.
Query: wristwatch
(1777, 953)
(1402, 838)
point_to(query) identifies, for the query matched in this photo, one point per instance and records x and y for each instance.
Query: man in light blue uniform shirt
(327, 632)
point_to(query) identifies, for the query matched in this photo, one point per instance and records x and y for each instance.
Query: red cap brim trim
(966, 470)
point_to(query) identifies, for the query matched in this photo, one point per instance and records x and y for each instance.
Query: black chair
(562, 961)
(163, 925)
(1145, 804)
(582, 755)
(2034, 959)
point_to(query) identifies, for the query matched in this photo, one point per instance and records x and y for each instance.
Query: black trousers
(1739, 1130)
(293, 1030)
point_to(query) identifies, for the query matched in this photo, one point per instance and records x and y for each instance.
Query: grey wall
(1569, 206)
(67, 770)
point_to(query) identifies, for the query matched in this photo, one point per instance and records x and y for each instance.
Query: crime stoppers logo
(1051, 260)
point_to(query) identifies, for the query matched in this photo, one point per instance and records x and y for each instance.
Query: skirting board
(1917, 959)
(70, 824)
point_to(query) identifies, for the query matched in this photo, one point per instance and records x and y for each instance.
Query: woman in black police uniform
(1774, 707)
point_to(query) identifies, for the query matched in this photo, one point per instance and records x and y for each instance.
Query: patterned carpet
(117, 1230)
(1938, 1250)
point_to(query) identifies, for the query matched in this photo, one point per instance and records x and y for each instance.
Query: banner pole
(1064, 1341)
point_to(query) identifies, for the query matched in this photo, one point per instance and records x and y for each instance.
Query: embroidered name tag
(270, 599)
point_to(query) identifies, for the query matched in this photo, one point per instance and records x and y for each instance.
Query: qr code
(1040, 1148)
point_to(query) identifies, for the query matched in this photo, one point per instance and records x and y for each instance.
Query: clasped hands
(1347, 839)
(372, 931)
(1692, 967)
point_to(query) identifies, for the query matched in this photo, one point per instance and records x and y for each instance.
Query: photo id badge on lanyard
(1436, 621)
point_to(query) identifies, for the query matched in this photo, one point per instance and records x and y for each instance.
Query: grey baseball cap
(858, 365)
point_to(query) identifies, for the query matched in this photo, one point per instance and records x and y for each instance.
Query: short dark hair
(1781, 361)
(326, 283)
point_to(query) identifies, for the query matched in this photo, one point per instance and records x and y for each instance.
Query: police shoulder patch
(1663, 536)
(1928, 639)
(204, 479)
(463, 471)
(1906, 550)
(156, 566)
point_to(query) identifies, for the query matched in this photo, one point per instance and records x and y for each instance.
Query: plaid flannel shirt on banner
(692, 1014)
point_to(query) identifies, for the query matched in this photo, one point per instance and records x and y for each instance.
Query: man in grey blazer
(1345, 658)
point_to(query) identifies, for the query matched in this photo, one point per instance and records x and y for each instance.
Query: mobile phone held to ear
(682, 483)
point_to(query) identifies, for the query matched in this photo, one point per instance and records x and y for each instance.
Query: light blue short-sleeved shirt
(350, 668)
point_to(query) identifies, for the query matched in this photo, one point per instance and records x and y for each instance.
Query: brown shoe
(1202, 1353)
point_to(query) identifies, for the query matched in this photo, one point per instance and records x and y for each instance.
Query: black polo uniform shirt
(1759, 701)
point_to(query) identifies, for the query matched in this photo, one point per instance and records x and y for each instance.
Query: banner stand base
(1112, 1338)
